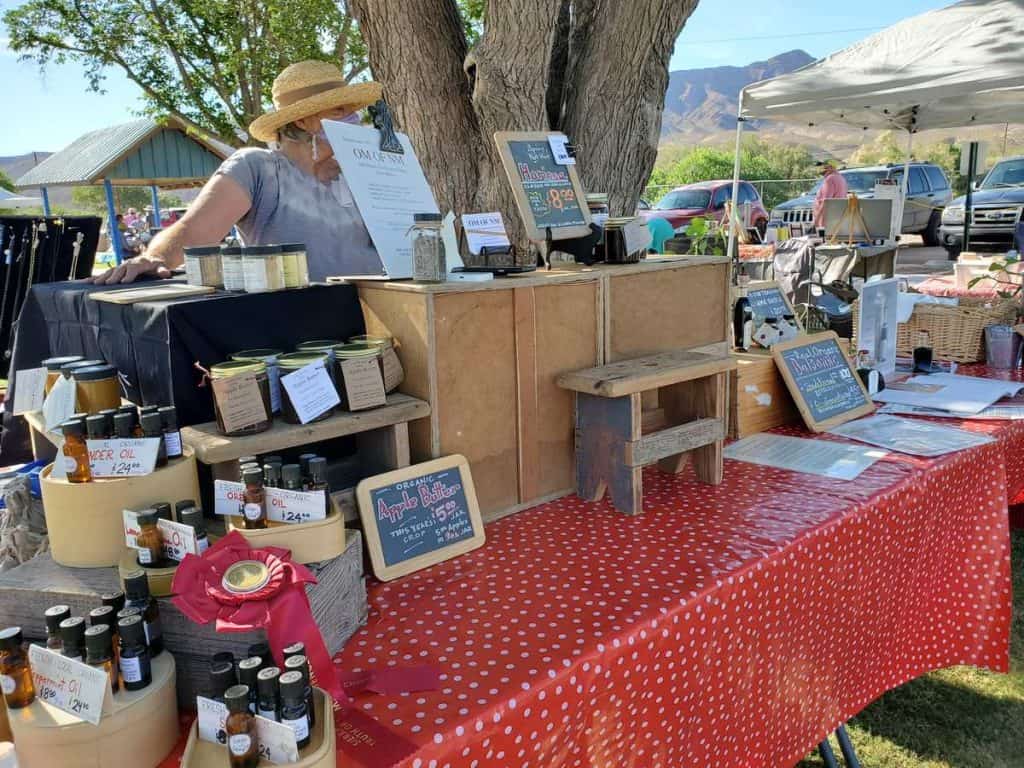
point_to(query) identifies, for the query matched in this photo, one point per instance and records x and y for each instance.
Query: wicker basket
(956, 333)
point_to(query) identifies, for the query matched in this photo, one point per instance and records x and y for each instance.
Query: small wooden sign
(822, 381)
(547, 194)
(767, 299)
(420, 515)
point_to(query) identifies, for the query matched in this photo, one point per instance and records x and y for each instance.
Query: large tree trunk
(595, 69)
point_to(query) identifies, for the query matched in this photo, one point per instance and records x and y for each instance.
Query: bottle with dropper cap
(53, 616)
(243, 749)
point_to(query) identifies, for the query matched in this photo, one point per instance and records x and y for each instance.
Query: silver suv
(996, 210)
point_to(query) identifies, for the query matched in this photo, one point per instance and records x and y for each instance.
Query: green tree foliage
(209, 62)
(6, 182)
(759, 160)
(93, 199)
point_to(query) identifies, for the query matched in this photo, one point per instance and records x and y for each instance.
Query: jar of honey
(231, 368)
(289, 364)
(320, 345)
(386, 344)
(356, 351)
(97, 388)
(269, 357)
(53, 365)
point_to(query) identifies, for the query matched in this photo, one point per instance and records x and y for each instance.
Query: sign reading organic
(420, 515)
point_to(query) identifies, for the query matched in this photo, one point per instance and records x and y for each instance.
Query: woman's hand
(131, 270)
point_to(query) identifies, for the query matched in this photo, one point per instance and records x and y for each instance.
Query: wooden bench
(611, 448)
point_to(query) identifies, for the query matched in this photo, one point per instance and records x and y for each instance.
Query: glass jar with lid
(387, 345)
(262, 268)
(296, 266)
(231, 267)
(231, 368)
(97, 388)
(292, 362)
(357, 351)
(269, 357)
(53, 367)
(428, 257)
(320, 345)
(203, 266)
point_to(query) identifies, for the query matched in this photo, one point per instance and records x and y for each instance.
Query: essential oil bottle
(136, 669)
(149, 544)
(153, 426)
(254, 501)
(137, 588)
(53, 616)
(113, 599)
(291, 477)
(300, 664)
(222, 677)
(294, 711)
(15, 670)
(72, 637)
(99, 652)
(172, 435)
(248, 671)
(243, 749)
(268, 696)
(181, 505)
(96, 427)
(76, 454)
(194, 518)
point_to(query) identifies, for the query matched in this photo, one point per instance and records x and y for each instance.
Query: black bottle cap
(148, 409)
(124, 613)
(222, 657)
(115, 599)
(292, 685)
(132, 630)
(318, 469)
(98, 643)
(169, 416)
(73, 428)
(182, 504)
(10, 638)
(94, 373)
(105, 614)
(152, 423)
(136, 586)
(291, 474)
(252, 475)
(271, 474)
(267, 680)
(146, 517)
(304, 460)
(72, 632)
(129, 410)
(274, 459)
(96, 426)
(237, 698)
(298, 664)
(163, 510)
(193, 517)
(54, 615)
(295, 649)
(246, 460)
(248, 669)
(222, 677)
(124, 423)
(54, 363)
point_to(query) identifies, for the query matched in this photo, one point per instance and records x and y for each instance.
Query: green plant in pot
(706, 237)
(998, 272)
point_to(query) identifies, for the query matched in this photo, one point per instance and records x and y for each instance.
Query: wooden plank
(211, 447)
(384, 449)
(674, 440)
(157, 292)
(703, 399)
(646, 373)
(527, 427)
(758, 398)
(603, 426)
(560, 275)
(653, 419)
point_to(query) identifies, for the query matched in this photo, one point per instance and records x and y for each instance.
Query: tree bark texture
(595, 69)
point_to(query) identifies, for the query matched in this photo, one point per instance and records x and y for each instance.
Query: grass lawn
(954, 718)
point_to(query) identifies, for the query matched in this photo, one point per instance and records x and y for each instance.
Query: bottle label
(203, 544)
(172, 442)
(153, 631)
(8, 684)
(873, 383)
(232, 270)
(70, 465)
(240, 744)
(252, 511)
(300, 726)
(193, 272)
(146, 556)
(254, 275)
(134, 668)
(270, 714)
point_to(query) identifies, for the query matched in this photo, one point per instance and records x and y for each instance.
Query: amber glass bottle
(99, 652)
(76, 454)
(254, 502)
(15, 672)
(243, 749)
(149, 543)
(53, 616)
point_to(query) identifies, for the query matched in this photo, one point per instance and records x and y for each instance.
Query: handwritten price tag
(131, 527)
(28, 390)
(295, 506)
(210, 720)
(311, 391)
(71, 686)
(179, 540)
(227, 497)
(276, 742)
(123, 458)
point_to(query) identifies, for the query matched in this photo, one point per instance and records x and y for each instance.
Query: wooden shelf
(211, 447)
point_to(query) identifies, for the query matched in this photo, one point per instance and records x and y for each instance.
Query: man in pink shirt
(832, 187)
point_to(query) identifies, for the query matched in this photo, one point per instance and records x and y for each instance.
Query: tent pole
(156, 206)
(46, 201)
(735, 179)
(115, 234)
(898, 226)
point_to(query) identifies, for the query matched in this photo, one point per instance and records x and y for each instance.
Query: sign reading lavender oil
(822, 380)
(420, 515)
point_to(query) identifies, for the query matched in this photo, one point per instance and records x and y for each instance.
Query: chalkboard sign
(767, 300)
(420, 515)
(547, 194)
(822, 380)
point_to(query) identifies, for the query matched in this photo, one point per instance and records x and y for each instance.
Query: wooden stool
(611, 450)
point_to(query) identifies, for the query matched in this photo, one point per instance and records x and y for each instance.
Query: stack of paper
(949, 392)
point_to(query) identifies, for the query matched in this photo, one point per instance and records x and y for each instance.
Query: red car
(706, 198)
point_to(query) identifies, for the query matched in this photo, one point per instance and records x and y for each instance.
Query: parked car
(706, 198)
(928, 191)
(996, 207)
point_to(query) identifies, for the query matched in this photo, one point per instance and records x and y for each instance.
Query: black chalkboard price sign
(548, 195)
(822, 381)
(420, 515)
(767, 300)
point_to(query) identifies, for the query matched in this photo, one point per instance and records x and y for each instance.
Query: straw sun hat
(306, 89)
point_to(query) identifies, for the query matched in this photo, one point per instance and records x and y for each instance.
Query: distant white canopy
(12, 200)
(955, 67)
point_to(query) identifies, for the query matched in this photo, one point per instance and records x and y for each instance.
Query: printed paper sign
(276, 741)
(295, 506)
(28, 390)
(131, 527)
(227, 497)
(132, 457)
(560, 151)
(311, 391)
(363, 384)
(239, 401)
(210, 719)
(59, 404)
(72, 686)
(179, 540)
(394, 374)
(484, 229)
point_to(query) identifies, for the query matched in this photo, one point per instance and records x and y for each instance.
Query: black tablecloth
(155, 344)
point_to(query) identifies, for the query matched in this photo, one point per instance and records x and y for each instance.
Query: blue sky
(53, 108)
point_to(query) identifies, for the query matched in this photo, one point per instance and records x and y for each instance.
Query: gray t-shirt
(289, 206)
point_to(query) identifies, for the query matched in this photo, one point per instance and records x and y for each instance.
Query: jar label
(153, 631)
(300, 725)
(172, 442)
(146, 557)
(232, 270)
(240, 743)
(8, 684)
(253, 511)
(134, 668)
(270, 714)
(193, 271)
(254, 273)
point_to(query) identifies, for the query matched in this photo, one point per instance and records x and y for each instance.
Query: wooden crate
(758, 398)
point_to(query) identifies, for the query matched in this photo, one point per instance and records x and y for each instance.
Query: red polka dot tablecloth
(727, 626)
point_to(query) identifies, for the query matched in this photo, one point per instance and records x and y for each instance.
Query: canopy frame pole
(46, 201)
(156, 206)
(898, 225)
(735, 182)
(115, 233)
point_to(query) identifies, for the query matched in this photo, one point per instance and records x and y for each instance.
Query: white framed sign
(878, 323)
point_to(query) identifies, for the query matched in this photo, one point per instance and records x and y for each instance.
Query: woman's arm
(220, 204)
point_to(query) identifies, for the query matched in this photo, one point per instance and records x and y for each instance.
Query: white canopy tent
(958, 66)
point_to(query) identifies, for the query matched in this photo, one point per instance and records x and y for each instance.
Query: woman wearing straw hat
(291, 193)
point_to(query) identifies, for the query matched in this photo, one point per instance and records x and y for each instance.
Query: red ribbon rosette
(244, 589)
